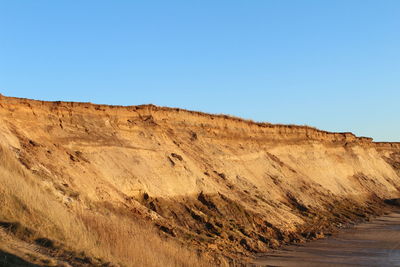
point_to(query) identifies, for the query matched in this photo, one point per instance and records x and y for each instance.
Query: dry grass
(112, 238)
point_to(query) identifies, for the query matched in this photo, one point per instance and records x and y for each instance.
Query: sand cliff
(216, 183)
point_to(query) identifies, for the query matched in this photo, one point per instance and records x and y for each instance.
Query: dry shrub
(113, 238)
(120, 238)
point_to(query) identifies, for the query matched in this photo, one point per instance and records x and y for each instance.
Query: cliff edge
(213, 183)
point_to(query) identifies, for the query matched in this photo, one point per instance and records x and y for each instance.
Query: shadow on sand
(10, 260)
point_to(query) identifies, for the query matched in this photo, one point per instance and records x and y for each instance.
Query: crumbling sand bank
(219, 185)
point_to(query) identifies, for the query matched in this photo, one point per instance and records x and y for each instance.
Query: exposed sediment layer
(218, 183)
(191, 118)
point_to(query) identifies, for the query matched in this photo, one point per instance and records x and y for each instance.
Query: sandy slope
(216, 183)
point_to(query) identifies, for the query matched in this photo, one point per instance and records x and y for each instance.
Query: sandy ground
(376, 243)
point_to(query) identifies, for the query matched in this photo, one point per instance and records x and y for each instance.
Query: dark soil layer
(220, 225)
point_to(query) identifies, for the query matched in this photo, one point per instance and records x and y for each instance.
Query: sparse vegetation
(34, 215)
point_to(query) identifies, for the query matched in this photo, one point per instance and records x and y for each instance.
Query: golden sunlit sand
(96, 185)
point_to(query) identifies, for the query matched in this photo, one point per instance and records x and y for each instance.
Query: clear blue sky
(330, 64)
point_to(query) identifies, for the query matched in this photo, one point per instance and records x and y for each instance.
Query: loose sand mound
(212, 183)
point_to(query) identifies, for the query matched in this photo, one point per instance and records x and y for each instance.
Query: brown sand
(215, 184)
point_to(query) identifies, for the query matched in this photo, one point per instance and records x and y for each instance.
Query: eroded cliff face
(213, 182)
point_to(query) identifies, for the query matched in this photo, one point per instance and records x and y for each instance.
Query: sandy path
(376, 243)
